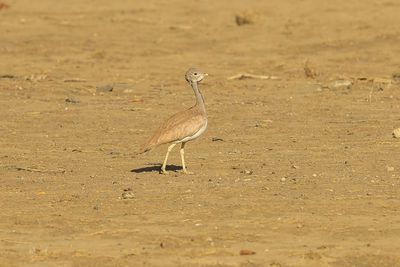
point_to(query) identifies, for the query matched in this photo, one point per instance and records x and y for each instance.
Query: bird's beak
(205, 74)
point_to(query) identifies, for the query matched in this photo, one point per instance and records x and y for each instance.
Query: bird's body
(183, 126)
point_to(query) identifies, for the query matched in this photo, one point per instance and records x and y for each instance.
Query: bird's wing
(179, 126)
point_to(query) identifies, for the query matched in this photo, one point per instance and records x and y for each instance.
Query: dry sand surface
(298, 168)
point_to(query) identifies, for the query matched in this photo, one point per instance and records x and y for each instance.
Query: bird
(183, 126)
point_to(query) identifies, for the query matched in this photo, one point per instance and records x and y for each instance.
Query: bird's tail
(144, 148)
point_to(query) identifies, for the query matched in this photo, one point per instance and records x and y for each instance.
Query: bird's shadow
(156, 167)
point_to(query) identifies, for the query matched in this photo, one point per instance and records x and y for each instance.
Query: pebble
(128, 195)
(396, 77)
(396, 133)
(390, 168)
(105, 88)
(283, 179)
(247, 17)
(72, 99)
(248, 172)
(341, 84)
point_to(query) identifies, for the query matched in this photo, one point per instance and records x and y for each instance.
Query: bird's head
(194, 75)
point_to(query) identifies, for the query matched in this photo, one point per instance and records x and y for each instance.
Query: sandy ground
(300, 168)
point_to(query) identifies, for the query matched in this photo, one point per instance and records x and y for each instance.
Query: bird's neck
(199, 97)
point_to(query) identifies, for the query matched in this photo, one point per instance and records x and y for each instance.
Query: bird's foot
(164, 172)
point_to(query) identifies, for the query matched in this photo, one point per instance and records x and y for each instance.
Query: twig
(242, 76)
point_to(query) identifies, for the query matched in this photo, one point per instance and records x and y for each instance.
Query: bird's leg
(166, 158)
(183, 159)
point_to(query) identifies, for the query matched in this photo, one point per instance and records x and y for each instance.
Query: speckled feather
(176, 128)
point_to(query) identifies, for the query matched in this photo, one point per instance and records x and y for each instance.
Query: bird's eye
(195, 73)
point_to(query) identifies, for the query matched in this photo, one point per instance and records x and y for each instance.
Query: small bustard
(183, 126)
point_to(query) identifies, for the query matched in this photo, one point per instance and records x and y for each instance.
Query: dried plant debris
(247, 17)
(341, 84)
(310, 72)
(396, 78)
(247, 252)
(74, 80)
(7, 76)
(242, 76)
(105, 88)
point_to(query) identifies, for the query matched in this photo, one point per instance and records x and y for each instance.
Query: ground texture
(299, 167)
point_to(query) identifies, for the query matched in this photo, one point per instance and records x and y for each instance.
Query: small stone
(390, 168)
(396, 133)
(283, 179)
(96, 207)
(3, 6)
(128, 195)
(396, 77)
(72, 100)
(105, 88)
(247, 17)
(341, 84)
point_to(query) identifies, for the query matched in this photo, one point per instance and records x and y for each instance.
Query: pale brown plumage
(183, 126)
